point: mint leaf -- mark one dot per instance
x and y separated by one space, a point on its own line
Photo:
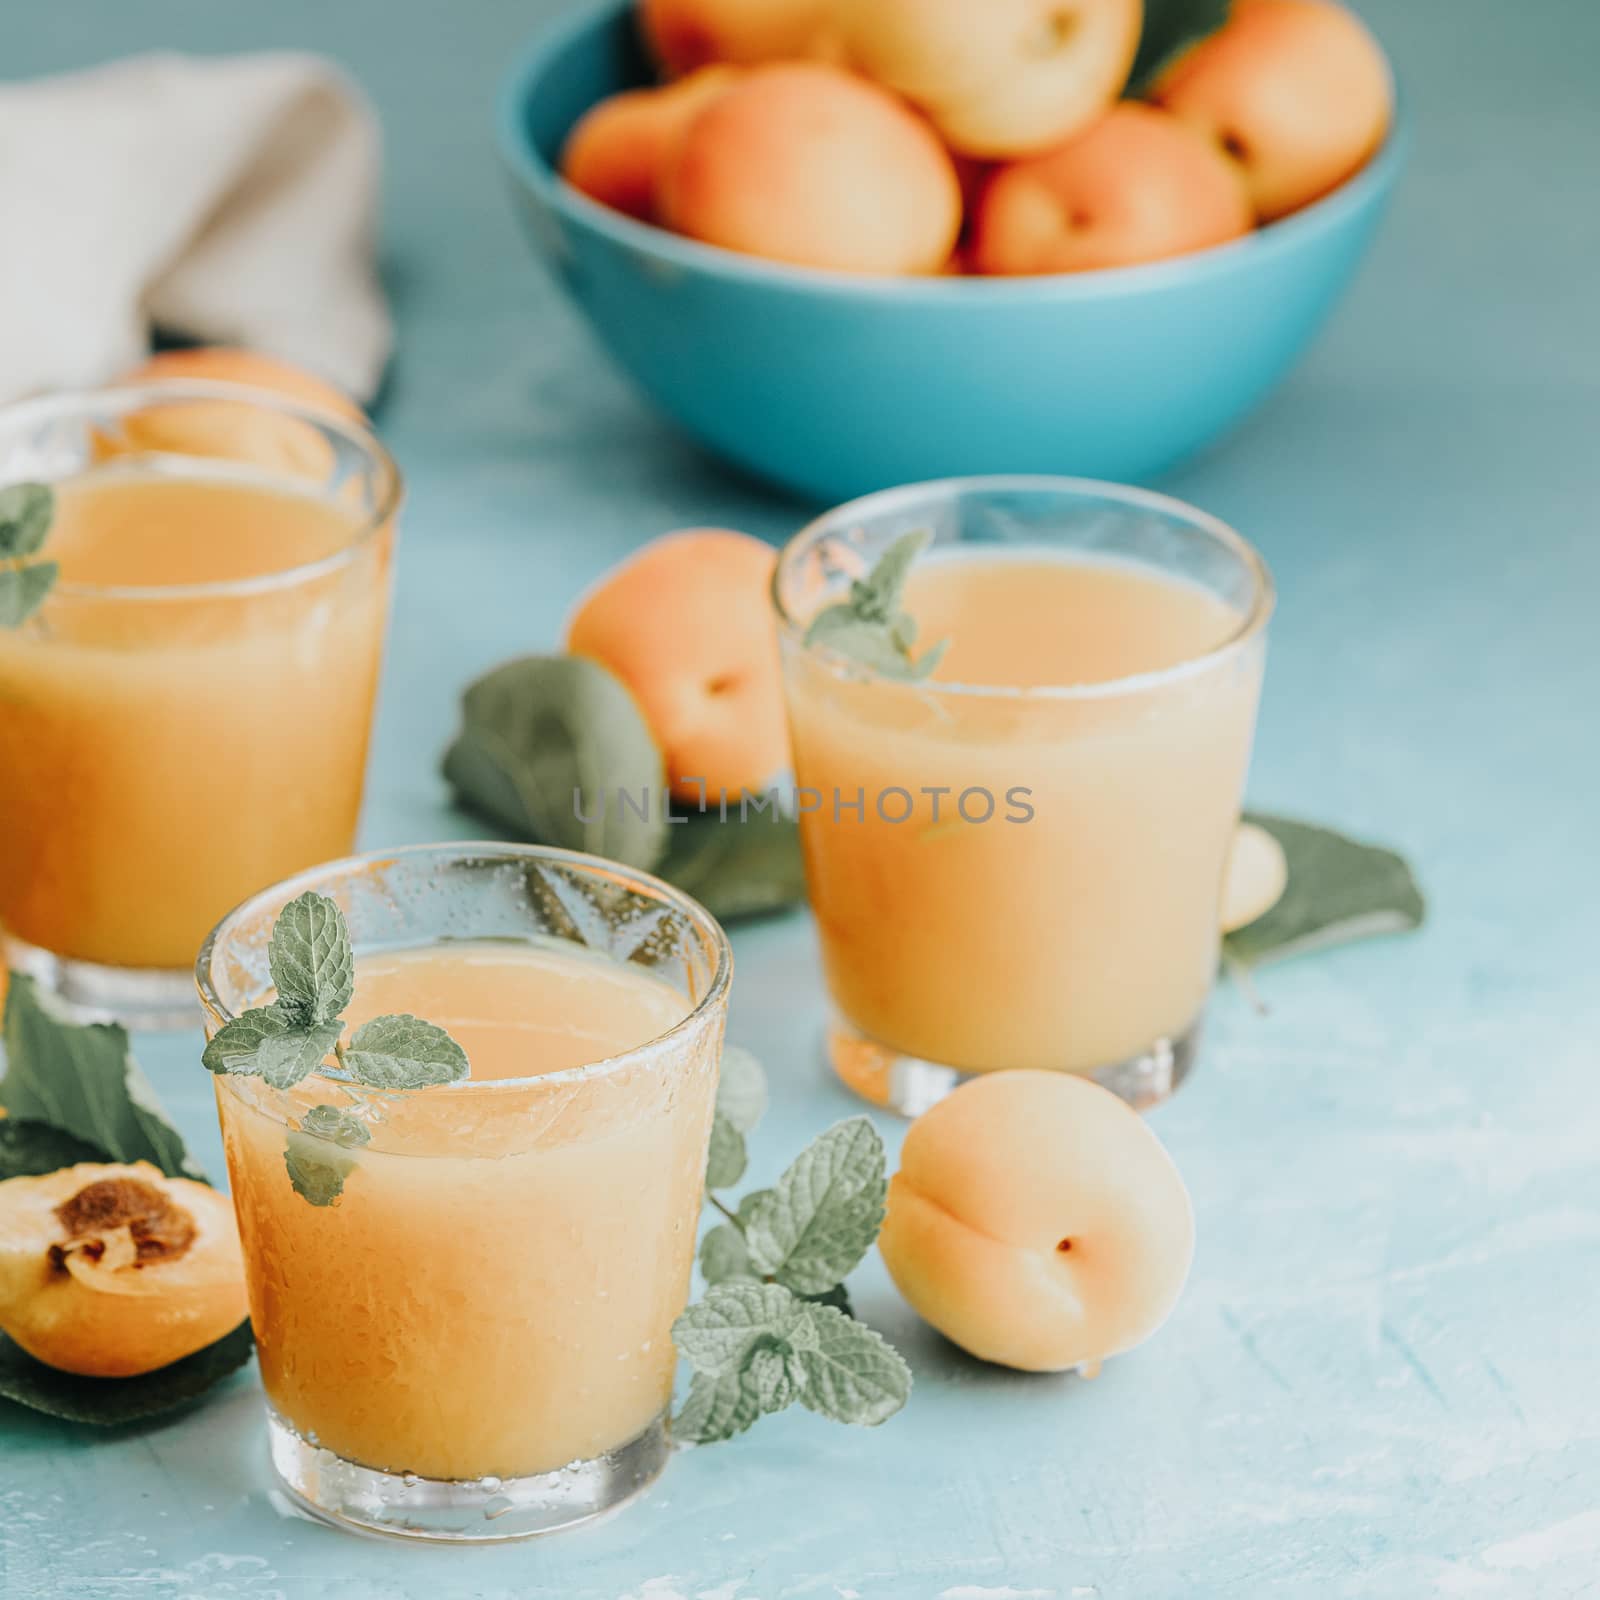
1339 890
270 1043
1170 28
719 1333
30 1149
403 1052
84 1081
870 627
726 1157
741 1088
722 1254
548 748
776 1375
26 512
825 1211
744 867
313 967
337 1125
838 1297
23 591
716 1408
852 1374
314 1156
113 1402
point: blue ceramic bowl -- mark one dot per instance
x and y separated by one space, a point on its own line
834 384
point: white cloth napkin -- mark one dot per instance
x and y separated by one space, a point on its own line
231 200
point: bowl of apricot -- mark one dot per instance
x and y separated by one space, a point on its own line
851 243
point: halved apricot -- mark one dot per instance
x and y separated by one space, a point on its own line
111 1270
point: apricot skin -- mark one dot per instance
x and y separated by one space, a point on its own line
685 624
805 163
1297 91
685 34
1037 1222
616 152
999 79
1257 875
1137 186
77 1296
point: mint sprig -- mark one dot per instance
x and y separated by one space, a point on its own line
26 512
774 1327
871 627
313 971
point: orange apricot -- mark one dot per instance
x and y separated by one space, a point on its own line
228 432
1037 1222
685 34
616 151
807 163
1298 92
1004 78
110 1271
686 624
1137 186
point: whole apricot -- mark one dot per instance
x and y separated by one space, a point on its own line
1298 92
685 623
229 432
1037 1222
1257 875
110 1271
807 163
1138 185
1005 78
616 151
685 34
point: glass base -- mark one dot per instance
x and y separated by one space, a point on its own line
461 1511
909 1085
140 998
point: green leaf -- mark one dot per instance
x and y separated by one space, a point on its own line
109 1402
84 1081
538 730
26 512
23 591
716 1408
718 1333
852 1374
744 867
723 1256
825 1211
1170 28
726 1157
403 1052
776 1375
870 628
315 1156
30 1149
741 1088
313 967
1339 890
838 1297
271 1044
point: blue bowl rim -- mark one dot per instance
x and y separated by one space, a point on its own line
1329 213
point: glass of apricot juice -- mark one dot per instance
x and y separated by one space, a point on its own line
473 1339
1018 861
185 716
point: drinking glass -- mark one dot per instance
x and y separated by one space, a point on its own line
1061 911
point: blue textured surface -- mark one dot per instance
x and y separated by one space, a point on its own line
1383 1378
835 386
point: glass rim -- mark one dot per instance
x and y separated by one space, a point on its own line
173 390
907 496
287 888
